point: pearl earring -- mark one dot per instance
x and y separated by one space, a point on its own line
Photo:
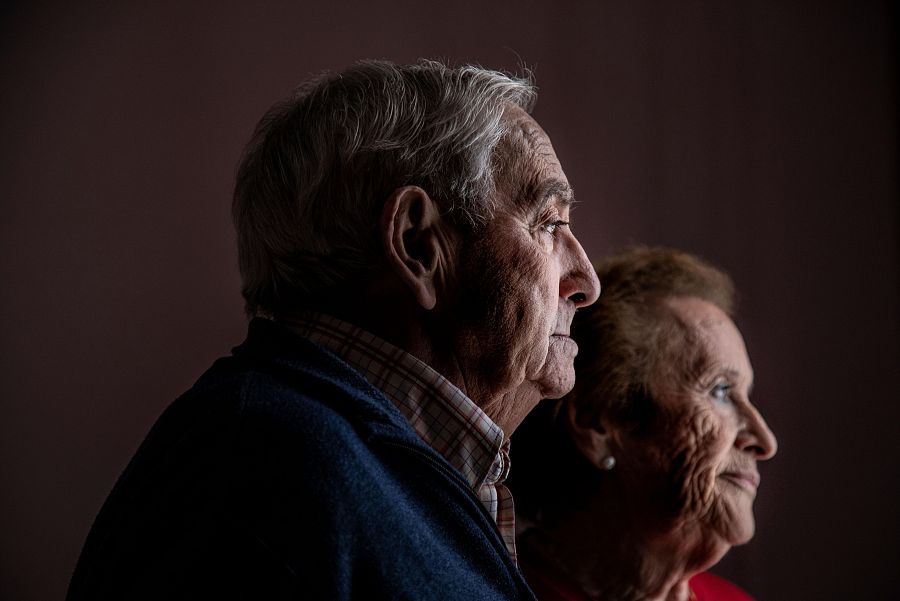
608 462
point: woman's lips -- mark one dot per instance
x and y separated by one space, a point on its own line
746 480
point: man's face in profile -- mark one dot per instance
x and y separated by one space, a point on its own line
522 280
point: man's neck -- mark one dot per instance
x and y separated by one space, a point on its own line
397 319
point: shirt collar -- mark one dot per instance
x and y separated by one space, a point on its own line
440 413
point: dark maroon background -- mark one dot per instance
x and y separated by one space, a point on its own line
762 135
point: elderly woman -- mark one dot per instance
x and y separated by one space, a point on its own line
644 476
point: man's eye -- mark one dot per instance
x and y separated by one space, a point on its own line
721 393
550 228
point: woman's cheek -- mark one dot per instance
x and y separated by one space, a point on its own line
694 467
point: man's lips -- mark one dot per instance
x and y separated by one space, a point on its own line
563 338
564 342
748 480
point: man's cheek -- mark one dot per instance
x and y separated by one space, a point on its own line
531 310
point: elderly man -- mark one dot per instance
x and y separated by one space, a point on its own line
406 256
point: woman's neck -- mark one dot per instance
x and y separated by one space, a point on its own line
623 557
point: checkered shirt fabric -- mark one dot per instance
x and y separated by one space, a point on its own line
446 419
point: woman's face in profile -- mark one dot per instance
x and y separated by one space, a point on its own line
697 459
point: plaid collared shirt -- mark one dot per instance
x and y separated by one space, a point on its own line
446 419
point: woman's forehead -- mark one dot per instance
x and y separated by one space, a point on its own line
713 335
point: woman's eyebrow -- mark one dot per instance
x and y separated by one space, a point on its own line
735 376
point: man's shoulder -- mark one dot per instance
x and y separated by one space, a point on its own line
285 464
283 382
264 415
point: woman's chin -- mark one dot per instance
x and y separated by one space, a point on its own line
738 530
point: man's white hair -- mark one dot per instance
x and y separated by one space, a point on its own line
315 175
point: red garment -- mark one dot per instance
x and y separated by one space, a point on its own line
709 587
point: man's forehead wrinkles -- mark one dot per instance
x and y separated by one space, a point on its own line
531 167
538 194
537 143
531 134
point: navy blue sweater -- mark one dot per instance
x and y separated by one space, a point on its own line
283 474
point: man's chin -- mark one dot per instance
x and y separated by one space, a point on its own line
557 382
557 376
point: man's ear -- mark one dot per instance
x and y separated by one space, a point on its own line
590 436
413 242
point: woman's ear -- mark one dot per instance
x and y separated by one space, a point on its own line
410 232
590 436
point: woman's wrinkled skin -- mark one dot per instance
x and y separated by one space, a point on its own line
707 437
681 494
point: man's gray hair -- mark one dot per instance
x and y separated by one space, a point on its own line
314 177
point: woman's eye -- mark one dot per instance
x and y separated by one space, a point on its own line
550 228
721 393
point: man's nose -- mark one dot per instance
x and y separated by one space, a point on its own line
579 282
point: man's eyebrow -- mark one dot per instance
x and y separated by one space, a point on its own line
550 190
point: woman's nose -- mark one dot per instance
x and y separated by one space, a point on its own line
756 437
